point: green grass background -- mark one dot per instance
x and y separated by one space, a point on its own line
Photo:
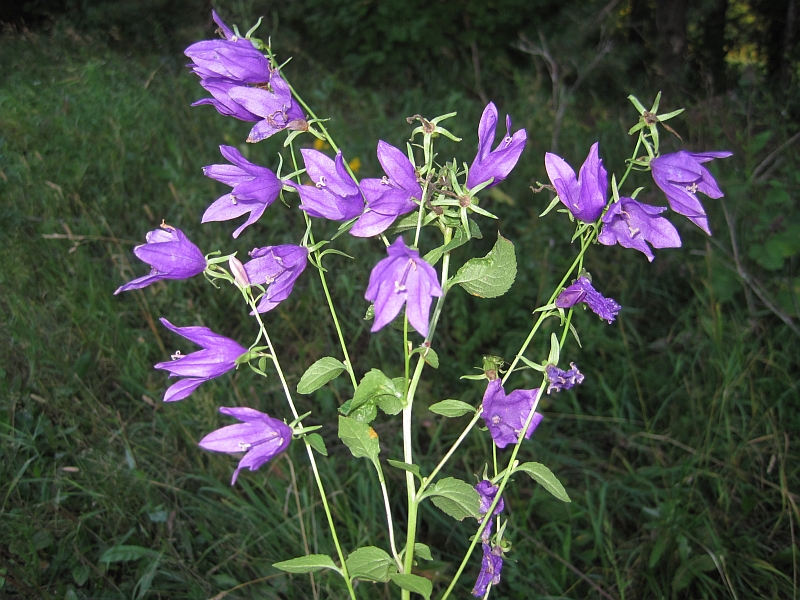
679 451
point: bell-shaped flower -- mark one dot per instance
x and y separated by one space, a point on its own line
217 357
680 176
334 195
583 291
277 268
559 379
505 416
170 255
584 196
487 493
402 278
632 224
254 189
259 436
390 196
491 565
495 163
274 106
236 60
219 88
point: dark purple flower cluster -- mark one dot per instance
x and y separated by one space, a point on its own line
487 492
491 565
559 379
583 291
505 416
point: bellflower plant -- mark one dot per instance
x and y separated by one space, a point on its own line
244 79
258 435
254 189
170 255
218 356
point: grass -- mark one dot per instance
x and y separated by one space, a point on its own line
679 451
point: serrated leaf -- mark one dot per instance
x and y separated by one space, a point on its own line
545 477
398 464
492 275
320 373
360 438
413 583
459 239
317 443
451 408
455 497
124 553
376 389
307 564
370 564
423 551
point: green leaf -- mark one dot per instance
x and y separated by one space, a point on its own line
451 408
554 350
545 477
398 464
317 443
492 275
370 564
423 551
658 550
320 373
428 355
413 583
376 389
360 438
126 554
80 574
307 564
455 497
459 239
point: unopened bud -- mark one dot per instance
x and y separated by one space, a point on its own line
239 274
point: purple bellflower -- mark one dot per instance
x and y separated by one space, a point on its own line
680 176
334 195
583 291
219 88
389 197
217 357
491 565
275 107
254 189
259 436
236 60
505 416
170 255
632 224
559 379
402 278
277 268
487 492
499 162
226 31
585 197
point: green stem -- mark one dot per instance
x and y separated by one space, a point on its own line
429 479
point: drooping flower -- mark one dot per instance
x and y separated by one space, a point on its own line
217 357
402 278
275 106
334 195
495 163
254 189
277 268
170 255
491 565
487 492
505 416
235 59
559 379
390 196
259 436
583 291
680 176
219 88
585 197
632 224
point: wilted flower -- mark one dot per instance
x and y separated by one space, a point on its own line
585 196
277 268
583 291
491 565
275 106
334 195
632 224
680 176
559 379
505 416
260 436
389 197
402 278
217 357
219 88
235 60
487 492
254 189
170 255
495 163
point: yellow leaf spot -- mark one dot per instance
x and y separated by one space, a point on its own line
372 434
